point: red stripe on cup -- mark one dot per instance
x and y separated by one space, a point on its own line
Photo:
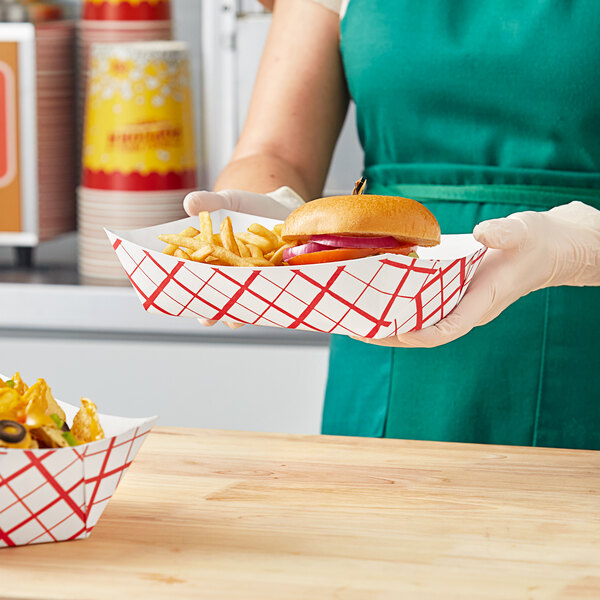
101 180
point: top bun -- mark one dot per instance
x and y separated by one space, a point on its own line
364 215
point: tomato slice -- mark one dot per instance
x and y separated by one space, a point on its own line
401 250
325 256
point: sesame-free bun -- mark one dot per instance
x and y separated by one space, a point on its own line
364 215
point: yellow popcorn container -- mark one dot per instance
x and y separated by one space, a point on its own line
139 130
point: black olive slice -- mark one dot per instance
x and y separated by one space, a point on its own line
12 432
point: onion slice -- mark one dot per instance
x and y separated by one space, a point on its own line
303 249
343 241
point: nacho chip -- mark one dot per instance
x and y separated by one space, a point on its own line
10 402
86 425
48 436
36 397
19 384
53 407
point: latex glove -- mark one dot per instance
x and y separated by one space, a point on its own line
274 205
527 251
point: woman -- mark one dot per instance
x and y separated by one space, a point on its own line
480 111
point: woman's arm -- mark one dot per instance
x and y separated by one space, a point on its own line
298 105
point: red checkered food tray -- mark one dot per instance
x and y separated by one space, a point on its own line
50 495
374 297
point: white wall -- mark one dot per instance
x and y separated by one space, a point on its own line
187 26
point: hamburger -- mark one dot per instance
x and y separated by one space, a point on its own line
356 226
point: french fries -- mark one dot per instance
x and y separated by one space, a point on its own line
244 250
257 240
262 231
179 253
257 247
228 257
227 237
172 248
255 251
175 239
206 229
203 252
277 256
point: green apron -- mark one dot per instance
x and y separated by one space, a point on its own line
478 109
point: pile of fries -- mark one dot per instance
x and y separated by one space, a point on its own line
30 417
257 247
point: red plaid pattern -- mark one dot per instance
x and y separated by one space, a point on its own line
374 297
59 494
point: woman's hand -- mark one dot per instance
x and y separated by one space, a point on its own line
527 251
275 205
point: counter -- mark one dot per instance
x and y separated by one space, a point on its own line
216 514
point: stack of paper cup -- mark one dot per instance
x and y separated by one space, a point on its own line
127 10
117 21
55 79
138 150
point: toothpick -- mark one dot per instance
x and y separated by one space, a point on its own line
359 187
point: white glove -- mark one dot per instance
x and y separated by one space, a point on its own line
528 251
274 205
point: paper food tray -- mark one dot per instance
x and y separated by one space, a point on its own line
373 297
56 494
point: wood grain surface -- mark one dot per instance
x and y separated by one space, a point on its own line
213 514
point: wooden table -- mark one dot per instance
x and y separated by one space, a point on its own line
212 514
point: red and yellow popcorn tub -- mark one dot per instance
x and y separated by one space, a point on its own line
127 10
373 297
139 131
57 494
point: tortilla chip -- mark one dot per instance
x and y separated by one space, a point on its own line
20 385
86 425
10 401
49 436
53 407
36 398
